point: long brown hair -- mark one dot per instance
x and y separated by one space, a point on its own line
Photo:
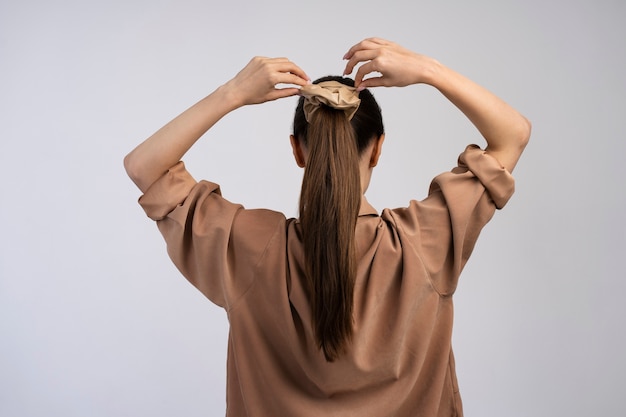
329 205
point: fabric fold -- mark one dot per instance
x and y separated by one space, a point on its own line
495 178
168 192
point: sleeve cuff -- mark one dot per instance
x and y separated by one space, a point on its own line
168 192
494 177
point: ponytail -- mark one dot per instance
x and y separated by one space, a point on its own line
329 206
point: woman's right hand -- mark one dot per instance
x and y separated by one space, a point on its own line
397 65
256 82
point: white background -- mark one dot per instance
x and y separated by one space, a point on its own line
94 319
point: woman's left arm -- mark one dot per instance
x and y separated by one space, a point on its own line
504 128
254 84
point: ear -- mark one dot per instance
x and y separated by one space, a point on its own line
377 150
297 151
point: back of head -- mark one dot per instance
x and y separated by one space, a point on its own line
367 122
329 205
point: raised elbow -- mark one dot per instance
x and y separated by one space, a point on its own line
525 130
129 165
132 168
515 139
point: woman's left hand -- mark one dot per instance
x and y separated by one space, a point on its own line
397 66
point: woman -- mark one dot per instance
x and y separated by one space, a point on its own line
342 311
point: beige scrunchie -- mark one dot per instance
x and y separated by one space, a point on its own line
331 93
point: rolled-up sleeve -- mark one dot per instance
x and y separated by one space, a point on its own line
196 223
445 226
168 192
497 181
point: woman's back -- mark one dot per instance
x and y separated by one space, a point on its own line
252 263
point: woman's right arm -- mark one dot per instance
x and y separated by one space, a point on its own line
505 130
254 84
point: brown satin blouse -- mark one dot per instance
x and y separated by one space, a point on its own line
250 262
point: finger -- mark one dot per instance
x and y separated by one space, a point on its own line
357 47
293 69
365 44
357 57
371 82
289 74
279 93
289 78
363 70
